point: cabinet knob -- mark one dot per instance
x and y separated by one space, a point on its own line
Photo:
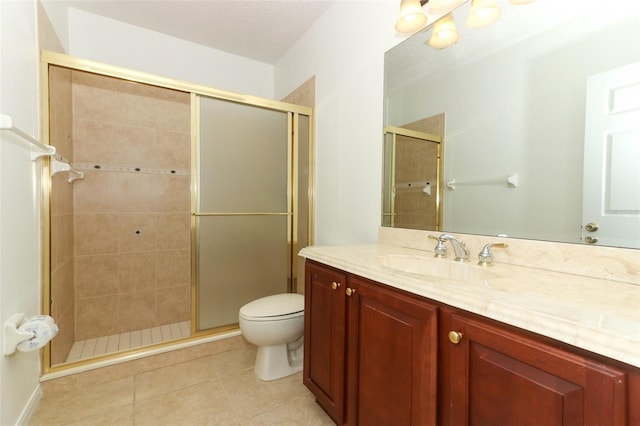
335 285
350 291
455 337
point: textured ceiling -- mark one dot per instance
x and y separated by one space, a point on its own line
263 30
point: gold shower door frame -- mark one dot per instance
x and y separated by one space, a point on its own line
295 112
291 212
389 172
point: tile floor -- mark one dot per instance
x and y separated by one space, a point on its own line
216 389
89 348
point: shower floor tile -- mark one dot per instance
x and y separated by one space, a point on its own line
90 348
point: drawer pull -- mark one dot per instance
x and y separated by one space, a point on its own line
335 285
350 291
455 337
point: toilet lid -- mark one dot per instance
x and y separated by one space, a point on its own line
274 306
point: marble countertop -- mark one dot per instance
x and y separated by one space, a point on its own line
602 316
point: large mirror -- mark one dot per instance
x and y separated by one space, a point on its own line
538 121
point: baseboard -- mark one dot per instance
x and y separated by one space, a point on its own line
30 408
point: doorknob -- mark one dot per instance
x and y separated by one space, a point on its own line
591 227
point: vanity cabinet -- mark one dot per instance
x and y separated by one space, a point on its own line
375 355
325 338
392 356
370 350
492 375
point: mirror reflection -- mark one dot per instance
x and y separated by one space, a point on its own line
539 124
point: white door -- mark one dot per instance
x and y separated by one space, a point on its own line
611 194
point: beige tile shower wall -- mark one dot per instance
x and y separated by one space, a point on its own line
304 95
132 229
416 162
62 284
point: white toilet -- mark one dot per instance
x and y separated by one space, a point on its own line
275 324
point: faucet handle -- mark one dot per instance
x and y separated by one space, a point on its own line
485 257
440 249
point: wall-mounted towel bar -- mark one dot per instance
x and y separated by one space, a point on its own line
6 123
60 164
511 181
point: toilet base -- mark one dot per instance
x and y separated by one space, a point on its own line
278 361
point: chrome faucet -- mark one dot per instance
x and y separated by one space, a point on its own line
460 250
485 257
440 249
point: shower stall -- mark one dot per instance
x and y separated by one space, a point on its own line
193 202
412 177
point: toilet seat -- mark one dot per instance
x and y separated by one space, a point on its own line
274 308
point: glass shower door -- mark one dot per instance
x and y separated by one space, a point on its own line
243 208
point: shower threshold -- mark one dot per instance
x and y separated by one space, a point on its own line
90 348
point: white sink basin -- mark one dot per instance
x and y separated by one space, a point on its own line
434 267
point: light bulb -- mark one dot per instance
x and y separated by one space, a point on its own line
482 13
411 17
444 33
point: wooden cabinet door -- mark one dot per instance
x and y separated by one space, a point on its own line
497 377
324 344
391 357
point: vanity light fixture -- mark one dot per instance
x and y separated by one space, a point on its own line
411 17
444 33
482 13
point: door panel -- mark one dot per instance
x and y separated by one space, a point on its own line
392 357
244 158
497 377
536 397
240 259
244 209
611 195
324 342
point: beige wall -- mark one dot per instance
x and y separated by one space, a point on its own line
62 283
132 228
